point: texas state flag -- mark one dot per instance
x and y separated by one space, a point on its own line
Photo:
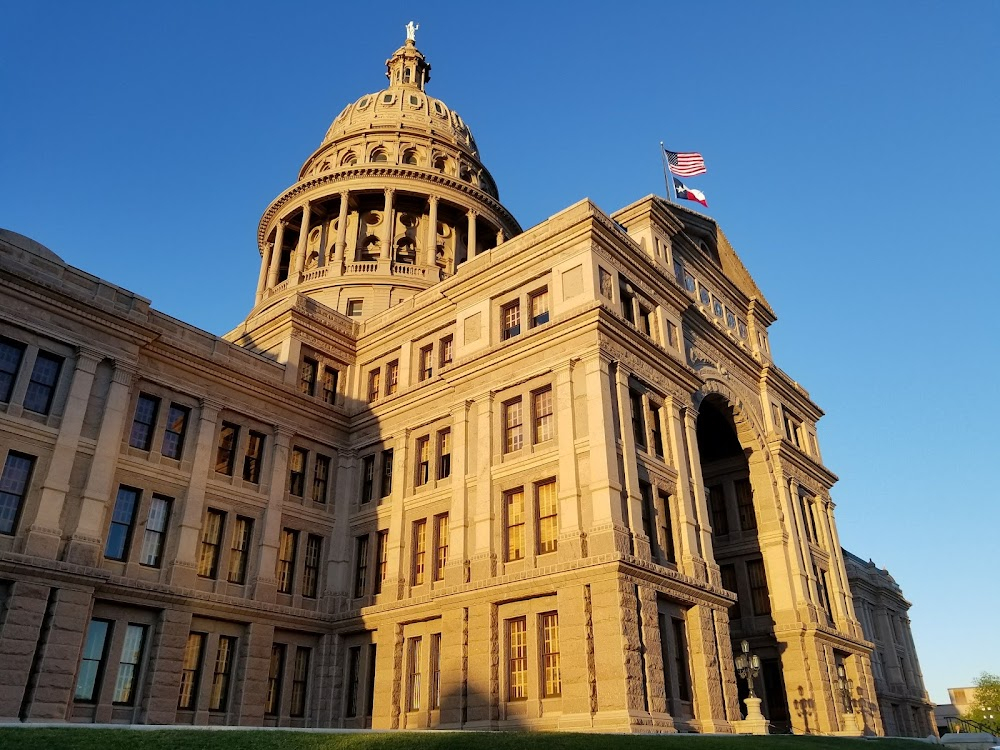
689 194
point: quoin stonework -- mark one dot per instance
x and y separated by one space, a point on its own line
447 473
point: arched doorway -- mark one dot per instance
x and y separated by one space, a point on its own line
735 519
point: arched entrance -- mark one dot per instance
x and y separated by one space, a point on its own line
735 518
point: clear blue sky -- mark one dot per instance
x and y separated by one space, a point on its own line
853 163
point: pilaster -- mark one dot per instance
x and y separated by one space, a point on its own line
264 584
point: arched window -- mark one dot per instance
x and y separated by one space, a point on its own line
379 156
441 164
406 75
349 159
465 173
410 156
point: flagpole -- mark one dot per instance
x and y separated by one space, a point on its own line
666 178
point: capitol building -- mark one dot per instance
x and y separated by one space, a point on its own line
447 473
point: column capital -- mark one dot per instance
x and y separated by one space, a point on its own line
432 200
210 402
473 213
283 432
125 372
86 355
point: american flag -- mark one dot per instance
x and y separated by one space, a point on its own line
685 163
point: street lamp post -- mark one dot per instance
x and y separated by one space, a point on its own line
846 687
748 665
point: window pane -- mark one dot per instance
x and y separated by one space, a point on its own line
41 387
91 663
156 526
128 667
120 532
11 354
13 485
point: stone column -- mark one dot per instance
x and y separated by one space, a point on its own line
640 542
85 543
279 239
341 246
703 647
605 486
432 224
700 499
471 253
250 675
339 553
800 570
58 653
689 553
166 660
387 225
398 572
45 533
264 584
837 576
265 265
570 531
183 568
25 611
458 519
300 249
483 556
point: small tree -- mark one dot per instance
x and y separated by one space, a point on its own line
985 708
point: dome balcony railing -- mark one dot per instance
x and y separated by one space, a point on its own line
365 266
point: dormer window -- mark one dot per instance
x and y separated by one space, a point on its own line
388 98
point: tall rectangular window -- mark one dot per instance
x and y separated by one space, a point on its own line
297 471
667 528
11 354
440 545
353 680
434 701
551 672
370 682
307 376
122 519
156 531
330 378
510 321
240 552
413 674
321 478
717 507
423 460
517 659
222 673
547 504
638 421
646 320
647 511
367 478
426 362
360 565
446 347
191 671
128 665
254 457
141 435
225 455
514 507
211 540
539 306
287 546
382 556
92 662
42 386
374 383
387 472
729 583
444 454
300 681
13 486
744 504
823 591
173 433
275 671
392 377
681 658
654 424
541 409
355 308
759 599
311 566
513 436
419 550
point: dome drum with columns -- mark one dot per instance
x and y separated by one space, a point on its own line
394 200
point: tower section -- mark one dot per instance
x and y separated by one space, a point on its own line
394 200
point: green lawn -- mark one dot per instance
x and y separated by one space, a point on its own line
17 738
